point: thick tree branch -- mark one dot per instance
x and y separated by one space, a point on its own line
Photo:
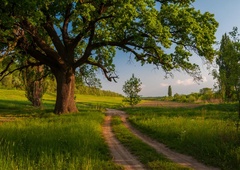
88 49
54 36
41 57
6 68
107 73
64 29
51 53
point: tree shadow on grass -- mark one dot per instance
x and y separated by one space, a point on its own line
16 108
22 108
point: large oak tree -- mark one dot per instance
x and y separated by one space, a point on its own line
65 35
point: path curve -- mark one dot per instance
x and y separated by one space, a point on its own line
181 159
119 153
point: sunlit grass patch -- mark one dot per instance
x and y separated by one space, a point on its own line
59 142
36 138
208 134
99 102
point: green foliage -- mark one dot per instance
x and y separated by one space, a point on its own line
7 82
131 88
208 133
137 23
34 85
11 81
228 61
206 94
87 76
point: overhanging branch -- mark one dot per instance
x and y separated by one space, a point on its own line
7 67
107 73
53 35
5 72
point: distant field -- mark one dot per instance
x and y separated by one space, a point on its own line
15 102
35 138
209 132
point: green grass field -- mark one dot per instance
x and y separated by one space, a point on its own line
38 139
35 138
209 133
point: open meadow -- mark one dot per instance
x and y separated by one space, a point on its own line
35 138
32 138
209 133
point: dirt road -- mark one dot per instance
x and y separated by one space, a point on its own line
119 153
123 157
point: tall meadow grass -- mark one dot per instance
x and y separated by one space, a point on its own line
208 133
65 142
38 139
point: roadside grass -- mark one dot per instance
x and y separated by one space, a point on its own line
146 154
35 138
208 133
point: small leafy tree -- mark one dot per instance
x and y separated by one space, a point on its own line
33 78
131 88
206 93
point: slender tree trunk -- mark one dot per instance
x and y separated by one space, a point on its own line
65 102
37 94
38 87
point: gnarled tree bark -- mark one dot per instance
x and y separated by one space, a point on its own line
65 102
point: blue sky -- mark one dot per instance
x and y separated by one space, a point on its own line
227 13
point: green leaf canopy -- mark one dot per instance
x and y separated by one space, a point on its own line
70 33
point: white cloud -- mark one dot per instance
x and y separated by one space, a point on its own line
186 82
164 84
204 79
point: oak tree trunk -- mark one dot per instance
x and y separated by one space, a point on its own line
65 102
37 93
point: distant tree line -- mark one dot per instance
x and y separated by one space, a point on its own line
204 95
86 90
